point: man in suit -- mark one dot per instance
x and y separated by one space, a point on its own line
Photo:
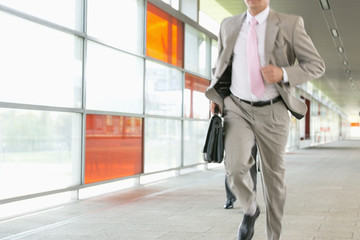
256 108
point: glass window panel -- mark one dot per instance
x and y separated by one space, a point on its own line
164 36
172 3
209 23
162 144
214 52
113 147
43 67
197 51
114 80
109 20
194 136
163 90
190 9
39 151
196 104
66 13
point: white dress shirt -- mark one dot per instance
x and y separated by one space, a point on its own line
240 84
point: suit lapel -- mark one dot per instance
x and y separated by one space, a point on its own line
272 28
234 29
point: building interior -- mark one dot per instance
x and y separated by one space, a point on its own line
107 97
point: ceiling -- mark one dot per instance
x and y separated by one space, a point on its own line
341 83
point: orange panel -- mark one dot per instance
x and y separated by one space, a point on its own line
113 147
194 83
355 124
164 36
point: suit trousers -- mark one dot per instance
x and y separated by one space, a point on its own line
269 126
253 173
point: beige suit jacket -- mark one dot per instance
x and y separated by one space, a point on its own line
287 45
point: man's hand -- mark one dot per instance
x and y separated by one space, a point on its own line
272 74
214 108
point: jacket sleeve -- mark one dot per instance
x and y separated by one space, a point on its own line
220 48
310 64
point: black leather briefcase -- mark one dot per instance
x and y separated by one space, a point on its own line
213 150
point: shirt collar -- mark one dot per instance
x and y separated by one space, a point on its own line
261 17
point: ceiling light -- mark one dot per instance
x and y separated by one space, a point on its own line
348 71
334 32
325 4
340 49
345 62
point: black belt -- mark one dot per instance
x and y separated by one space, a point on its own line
262 103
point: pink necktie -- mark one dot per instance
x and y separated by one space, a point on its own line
253 61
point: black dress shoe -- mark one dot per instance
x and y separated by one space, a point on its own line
246 230
229 203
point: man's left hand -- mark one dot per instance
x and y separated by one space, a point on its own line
272 74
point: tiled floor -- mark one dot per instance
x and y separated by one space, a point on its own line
323 203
